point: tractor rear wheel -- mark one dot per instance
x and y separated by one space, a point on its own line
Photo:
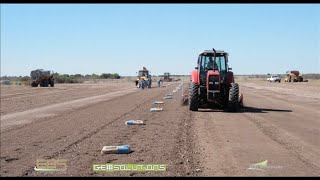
233 103
51 82
193 97
46 83
42 84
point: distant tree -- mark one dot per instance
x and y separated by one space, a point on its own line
25 78
115 76
78 75
4 77
105 75
95 76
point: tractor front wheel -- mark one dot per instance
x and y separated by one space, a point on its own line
51 82
34 84
193 97
233 102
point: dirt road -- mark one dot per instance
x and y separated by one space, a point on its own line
276 125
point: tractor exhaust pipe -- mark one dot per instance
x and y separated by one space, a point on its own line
214 59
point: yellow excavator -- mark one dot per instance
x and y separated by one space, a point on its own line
293 76
144 76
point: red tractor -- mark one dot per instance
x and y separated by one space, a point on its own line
212 83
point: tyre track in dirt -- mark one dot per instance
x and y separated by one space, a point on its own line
48 128
163 139
28 116
43 92
206 143
60 153
304 89
30 98
58 142
299 132
256 134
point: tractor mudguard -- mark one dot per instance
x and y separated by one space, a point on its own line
195 76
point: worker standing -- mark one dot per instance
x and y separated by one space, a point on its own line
160 81
142 83
149 81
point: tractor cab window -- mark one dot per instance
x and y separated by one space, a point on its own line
221 63
143 73
207 63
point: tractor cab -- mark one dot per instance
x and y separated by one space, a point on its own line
143 73
212 82
209 61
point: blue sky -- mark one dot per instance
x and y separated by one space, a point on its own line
122 38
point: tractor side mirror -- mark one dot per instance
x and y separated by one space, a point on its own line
229 68
196 67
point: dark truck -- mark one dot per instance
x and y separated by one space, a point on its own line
42 77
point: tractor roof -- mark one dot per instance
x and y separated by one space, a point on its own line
211 52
